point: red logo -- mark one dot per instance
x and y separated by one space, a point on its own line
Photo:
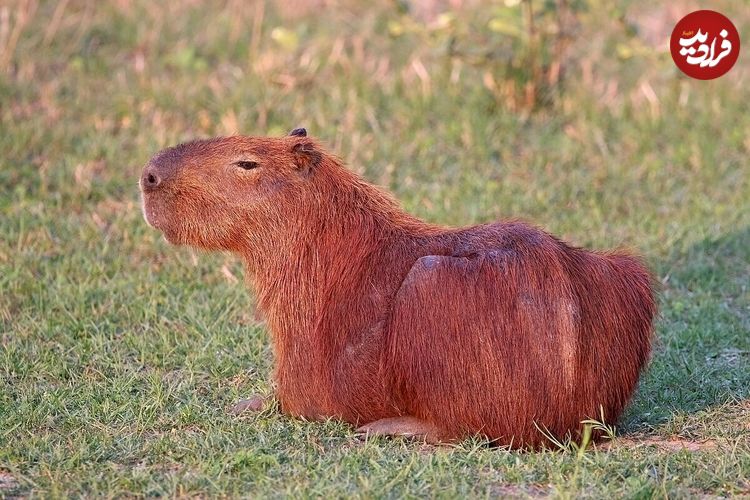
705 44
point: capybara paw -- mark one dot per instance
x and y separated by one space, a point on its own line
404 427
254 403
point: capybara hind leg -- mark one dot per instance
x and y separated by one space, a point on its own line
405 427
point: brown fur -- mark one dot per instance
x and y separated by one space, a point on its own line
497 329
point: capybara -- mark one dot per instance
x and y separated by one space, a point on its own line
399 326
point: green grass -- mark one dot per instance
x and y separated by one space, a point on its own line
120 355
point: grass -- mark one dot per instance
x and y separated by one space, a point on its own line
120 355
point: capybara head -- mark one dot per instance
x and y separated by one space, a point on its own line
212 193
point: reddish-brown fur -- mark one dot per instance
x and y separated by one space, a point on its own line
498 329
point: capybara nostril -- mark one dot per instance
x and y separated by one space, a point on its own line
150 179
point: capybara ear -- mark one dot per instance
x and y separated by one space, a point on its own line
298 132
306 156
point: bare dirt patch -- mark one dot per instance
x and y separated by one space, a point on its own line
667 444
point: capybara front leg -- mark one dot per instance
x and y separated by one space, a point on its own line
405 427
254 403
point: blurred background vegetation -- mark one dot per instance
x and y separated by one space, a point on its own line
527 107
120 355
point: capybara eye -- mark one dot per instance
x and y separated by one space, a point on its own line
247 165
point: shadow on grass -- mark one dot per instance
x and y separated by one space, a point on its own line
701 357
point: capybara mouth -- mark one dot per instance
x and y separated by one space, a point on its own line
153 218
148 213
154 215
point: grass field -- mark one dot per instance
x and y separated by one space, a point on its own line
120 355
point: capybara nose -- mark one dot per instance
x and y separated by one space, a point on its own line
150 179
